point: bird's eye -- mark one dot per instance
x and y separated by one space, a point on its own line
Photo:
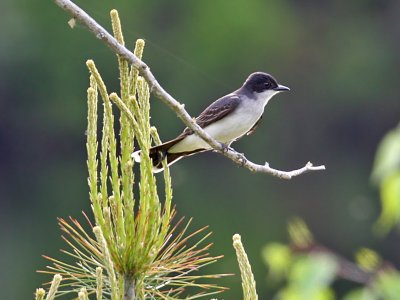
267 84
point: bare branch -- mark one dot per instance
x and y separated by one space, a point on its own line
82 17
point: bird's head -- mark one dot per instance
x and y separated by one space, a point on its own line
263 84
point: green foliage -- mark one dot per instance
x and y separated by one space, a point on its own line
386 174
248 282
307 276
310 277
339 57
113 198
368 259
136 252
279 258
360 294
39 294
308 270
386 286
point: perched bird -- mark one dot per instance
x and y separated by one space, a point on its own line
226 120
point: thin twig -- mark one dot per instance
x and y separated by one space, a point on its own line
173 104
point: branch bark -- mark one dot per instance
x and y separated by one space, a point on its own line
129 288
144 70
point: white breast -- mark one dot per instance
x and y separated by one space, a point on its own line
231 127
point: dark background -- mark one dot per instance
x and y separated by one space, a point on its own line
340 59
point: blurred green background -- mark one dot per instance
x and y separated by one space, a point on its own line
340 59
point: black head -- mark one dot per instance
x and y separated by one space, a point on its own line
260 82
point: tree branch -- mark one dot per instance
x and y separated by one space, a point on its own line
129 288
173 104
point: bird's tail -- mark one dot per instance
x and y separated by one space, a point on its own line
159 153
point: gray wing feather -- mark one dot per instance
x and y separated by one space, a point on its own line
216 111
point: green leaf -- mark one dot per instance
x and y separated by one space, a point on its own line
388 285
311 276
360 294
387 159
390 199
278 258
292 293
386 173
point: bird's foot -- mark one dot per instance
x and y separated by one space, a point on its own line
241 159
226 148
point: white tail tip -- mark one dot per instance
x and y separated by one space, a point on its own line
136 156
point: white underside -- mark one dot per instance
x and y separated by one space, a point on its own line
136 156
229 128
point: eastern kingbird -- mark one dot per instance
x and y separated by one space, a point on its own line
226 120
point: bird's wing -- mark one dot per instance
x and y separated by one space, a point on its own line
216 111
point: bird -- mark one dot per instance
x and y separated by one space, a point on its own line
226 120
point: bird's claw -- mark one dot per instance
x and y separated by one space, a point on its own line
226 148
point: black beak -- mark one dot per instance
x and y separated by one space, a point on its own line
281 88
